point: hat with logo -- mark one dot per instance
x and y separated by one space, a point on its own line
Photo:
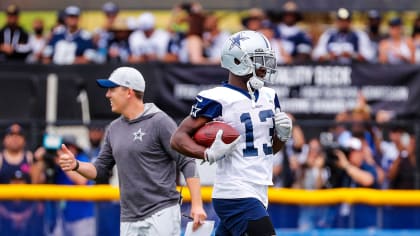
126 77
12 9
72 11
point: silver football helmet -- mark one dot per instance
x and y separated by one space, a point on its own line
246 51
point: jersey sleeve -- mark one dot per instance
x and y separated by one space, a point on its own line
206 107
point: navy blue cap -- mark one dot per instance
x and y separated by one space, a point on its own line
396 21
374 14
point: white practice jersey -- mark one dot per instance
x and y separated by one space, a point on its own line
247 172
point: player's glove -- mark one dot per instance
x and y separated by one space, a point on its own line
283 125
218 150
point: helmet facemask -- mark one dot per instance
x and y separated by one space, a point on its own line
260 60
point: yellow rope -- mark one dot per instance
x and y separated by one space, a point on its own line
276 195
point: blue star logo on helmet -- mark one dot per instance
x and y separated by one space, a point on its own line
236 41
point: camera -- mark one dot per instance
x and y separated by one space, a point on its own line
51 143
330 147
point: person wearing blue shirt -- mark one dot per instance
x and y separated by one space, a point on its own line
77 216
343 44
298 42
358 173
70 45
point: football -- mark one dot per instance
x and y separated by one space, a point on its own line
207 133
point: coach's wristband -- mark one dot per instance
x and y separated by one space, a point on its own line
77 166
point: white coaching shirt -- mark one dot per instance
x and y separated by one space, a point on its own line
247 172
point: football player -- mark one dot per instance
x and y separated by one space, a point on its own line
244 167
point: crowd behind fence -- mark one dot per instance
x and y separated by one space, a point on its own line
193 35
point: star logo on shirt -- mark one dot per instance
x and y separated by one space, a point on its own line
236 41
138 135
194 110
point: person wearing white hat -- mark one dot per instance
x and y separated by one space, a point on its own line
148 43
138 144
360 172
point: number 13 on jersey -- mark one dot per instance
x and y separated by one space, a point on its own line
258 133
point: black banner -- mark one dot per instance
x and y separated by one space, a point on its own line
310 91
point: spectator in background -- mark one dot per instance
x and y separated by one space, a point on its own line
14 157
396 49
37 41
343 44
104 35
213 38
77 216
314 176
253 19
340 131
15 215
297 42
362 129
416 39
17 166
178 26
96 135
374 31
148 43
389 152
60 24
71 45
282 55
118 45
13 38
189 47
357 173
192 47
402 171
106 212
287 162
402 175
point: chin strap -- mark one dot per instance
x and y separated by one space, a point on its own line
254 84
251 93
